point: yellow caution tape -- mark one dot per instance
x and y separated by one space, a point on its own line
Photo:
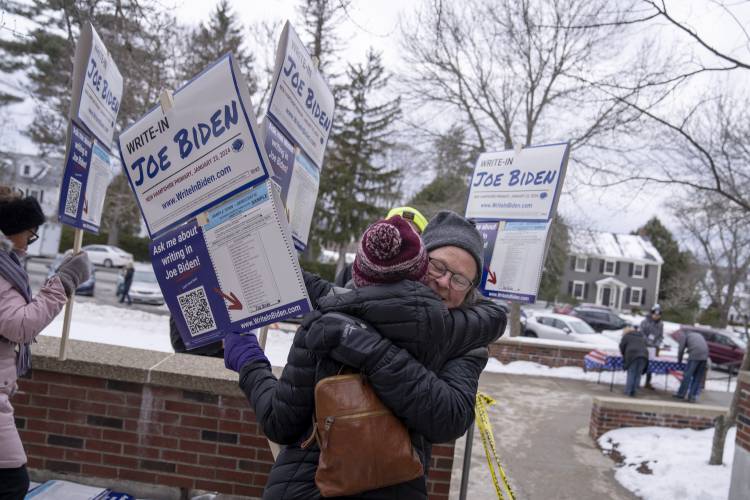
488 440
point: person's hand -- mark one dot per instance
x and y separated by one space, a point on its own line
323 332
73 271
241 349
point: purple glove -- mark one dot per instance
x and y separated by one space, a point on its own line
241 349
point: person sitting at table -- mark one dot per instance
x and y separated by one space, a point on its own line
634 358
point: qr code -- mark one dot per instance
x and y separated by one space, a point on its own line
196 311
73 199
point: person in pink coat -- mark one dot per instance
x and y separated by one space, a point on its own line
22 318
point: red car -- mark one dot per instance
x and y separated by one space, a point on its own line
722 349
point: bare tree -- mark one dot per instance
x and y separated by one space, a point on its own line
264 37
721 237
692 132
512 72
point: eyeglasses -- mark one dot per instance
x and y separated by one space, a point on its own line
33 237
437 269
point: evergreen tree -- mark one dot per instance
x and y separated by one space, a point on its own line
680 274
140 38
320 21
664 242
357 185
452 163
221 34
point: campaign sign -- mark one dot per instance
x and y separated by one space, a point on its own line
514 267
85 179
301 103
230 269
298 179
280 151
97 87
202 151
523 186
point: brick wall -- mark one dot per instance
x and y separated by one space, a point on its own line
539 351
101 427
743 412
613 413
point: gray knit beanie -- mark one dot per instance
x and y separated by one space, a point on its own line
448 228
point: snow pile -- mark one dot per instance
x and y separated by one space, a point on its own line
669 464
576 373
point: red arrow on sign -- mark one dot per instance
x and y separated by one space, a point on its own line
492 278
234 302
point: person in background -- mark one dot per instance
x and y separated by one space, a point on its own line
696 365
22 318
416 220
634 358
652 328
127 282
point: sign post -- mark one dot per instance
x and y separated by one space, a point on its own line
296 130
512 199
221 246
95 103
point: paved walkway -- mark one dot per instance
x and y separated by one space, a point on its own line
541 428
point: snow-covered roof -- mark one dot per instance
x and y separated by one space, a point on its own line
614 246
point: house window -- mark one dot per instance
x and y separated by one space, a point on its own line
26 170
581 264
578 289
609 267
638 270
635 296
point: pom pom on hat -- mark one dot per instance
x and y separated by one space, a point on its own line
390 251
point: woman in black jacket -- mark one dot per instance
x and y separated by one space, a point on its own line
634 358
436 406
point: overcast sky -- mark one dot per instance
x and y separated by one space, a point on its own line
376 24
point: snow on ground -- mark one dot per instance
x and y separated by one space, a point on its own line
660 463
576 373
104 324
115 325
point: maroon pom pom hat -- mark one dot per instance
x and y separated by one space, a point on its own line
389 251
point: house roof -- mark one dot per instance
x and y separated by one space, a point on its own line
614 246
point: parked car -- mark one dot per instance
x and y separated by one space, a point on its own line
85 288
600 318
722 348
144 288
564 327
107 255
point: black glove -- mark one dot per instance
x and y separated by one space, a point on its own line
73 271
324 331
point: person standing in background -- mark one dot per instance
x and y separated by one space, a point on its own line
634 358
127 282
696 365
652 329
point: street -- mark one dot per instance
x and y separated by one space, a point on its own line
104 290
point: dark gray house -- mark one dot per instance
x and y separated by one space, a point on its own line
621 271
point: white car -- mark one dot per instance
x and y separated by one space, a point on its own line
144 288
107 255
563 327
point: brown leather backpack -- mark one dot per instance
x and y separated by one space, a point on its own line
363 446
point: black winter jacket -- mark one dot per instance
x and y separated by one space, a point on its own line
436 406
632 347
